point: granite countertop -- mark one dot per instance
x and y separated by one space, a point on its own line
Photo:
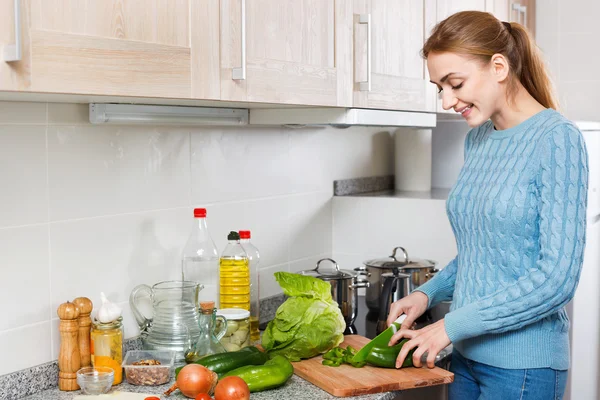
296 388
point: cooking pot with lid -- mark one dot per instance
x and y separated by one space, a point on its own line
343 287
420 271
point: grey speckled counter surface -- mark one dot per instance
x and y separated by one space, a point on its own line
296 388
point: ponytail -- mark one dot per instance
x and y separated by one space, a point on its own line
481 35
529 67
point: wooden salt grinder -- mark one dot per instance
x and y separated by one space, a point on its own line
69 359
85 322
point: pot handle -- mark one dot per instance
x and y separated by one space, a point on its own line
337 267
403 251
362 271
384 300
360 284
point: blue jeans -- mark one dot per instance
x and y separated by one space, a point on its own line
476 381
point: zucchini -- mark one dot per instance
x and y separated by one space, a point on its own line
386 356
272 374
225 362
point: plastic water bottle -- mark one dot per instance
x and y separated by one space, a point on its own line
200 258
254 260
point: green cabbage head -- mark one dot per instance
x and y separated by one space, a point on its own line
308 323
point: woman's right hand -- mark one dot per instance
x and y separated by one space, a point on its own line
413 305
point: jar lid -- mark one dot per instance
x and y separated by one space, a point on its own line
233 313
336 273
400 262
117 323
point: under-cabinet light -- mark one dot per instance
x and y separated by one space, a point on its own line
175 115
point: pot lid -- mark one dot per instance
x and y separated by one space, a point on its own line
400 261
328 274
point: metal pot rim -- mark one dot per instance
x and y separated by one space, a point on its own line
394 261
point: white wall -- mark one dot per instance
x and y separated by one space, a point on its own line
89 208
567 31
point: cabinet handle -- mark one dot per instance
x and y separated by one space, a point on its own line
12 52
240 73
366 19
521 10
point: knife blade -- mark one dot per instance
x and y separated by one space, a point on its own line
380 340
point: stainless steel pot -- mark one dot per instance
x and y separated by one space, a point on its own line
421 270
343 287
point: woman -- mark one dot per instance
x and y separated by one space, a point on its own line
518 214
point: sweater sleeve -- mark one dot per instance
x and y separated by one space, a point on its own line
441 286
562 184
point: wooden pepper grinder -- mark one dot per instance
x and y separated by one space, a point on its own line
85 307
69 359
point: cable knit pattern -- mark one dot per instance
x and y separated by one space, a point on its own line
518 212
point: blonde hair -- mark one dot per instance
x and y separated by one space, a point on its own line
481 35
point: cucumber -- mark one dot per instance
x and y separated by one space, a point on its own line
225 362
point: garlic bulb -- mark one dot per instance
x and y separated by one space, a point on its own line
108 311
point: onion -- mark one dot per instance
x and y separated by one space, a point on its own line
232 388
194 379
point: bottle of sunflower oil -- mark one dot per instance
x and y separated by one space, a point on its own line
234 275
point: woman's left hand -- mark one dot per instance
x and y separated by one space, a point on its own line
431 339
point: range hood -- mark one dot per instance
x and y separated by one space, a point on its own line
340 117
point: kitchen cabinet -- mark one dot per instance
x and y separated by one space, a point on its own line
291 51
523 12
389 72
106 47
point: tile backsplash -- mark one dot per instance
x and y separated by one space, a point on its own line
89 208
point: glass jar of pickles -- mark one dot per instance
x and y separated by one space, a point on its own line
237 335
106 346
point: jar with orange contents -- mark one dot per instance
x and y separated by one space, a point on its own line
106 346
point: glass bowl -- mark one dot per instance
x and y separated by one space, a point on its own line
95 380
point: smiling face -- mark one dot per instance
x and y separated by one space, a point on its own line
469 86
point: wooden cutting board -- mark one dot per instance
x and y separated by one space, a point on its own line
346 380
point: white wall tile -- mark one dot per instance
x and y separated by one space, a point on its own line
581 100
115 254
231 164
68 113
347 228
25 283
420 226
25 347
23 175
267 219
578 16
16 112
572 48
268 285
310 225
109 170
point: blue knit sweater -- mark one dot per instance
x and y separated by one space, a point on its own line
518 212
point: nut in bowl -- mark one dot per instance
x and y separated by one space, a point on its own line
95 380
148 367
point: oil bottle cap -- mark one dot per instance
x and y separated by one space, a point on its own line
207 305
199 212
233 236
244 234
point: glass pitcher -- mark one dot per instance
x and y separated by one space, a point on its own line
210 333
174 324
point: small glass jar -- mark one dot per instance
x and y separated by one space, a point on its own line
106 346
237 335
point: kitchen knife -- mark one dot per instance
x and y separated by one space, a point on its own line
381 340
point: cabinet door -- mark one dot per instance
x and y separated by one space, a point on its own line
290 51
500 9
395 79
523 12
109 47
